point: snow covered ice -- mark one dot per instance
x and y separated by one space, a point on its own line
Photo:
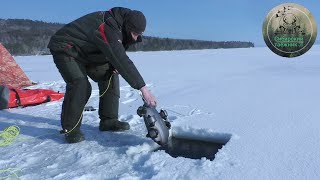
266 105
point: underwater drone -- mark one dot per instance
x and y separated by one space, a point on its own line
156 123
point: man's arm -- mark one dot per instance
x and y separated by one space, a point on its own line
112 47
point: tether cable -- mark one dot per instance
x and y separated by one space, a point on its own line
8 135
109 83
11 172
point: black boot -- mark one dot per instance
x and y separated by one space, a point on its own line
74 136
109 106
113 125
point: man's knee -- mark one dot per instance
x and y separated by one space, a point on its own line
81 85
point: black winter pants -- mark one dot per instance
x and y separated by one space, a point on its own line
78 90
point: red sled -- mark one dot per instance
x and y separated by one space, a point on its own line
13 97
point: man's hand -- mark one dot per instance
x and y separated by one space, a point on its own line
148 97
115 71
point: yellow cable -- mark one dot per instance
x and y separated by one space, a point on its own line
10 171
109 82
107 86
8 135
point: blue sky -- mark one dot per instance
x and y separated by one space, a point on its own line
239 20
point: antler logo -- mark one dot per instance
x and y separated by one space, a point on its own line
289 23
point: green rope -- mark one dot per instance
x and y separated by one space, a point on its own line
11 173
8 135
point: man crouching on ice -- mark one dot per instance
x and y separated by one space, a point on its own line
95 45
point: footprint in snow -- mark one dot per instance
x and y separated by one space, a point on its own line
128 95
132 119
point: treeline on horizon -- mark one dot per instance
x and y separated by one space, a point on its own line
28 37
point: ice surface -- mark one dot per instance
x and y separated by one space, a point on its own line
266 105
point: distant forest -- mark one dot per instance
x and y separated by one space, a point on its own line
28 37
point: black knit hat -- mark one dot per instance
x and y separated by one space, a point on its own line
136 22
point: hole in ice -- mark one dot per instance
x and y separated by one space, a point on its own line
194 148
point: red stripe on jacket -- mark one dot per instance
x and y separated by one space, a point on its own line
68 46
102 33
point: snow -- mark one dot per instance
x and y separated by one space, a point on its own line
266 106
